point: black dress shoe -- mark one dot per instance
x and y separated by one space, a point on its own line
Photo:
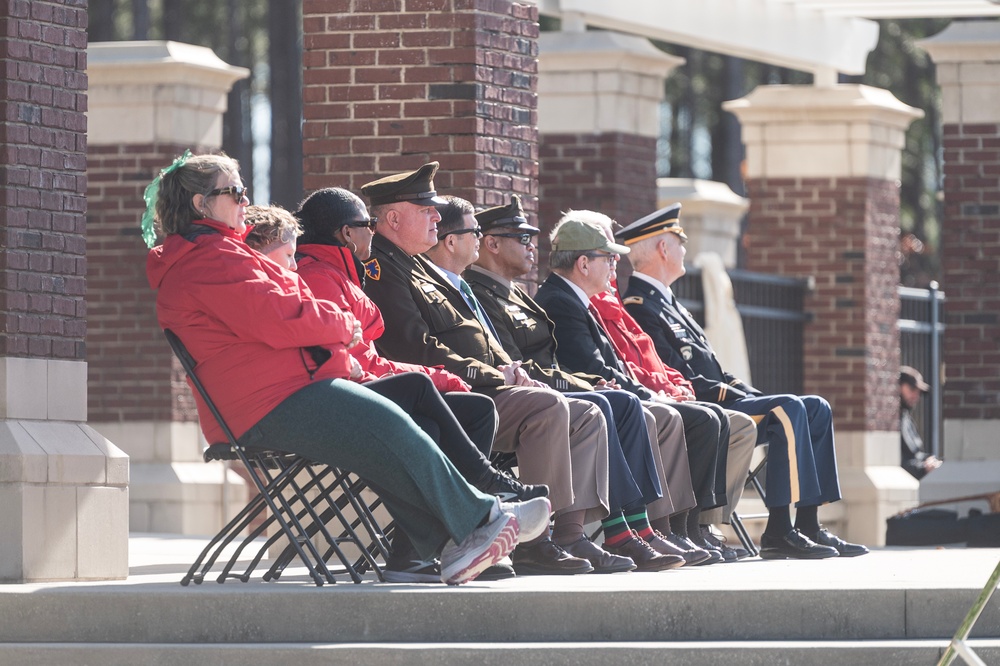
545 558
825 538
729 553
600 559
645 558
694 555
508 489
666 546
499 571
793 546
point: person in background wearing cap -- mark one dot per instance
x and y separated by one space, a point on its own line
633 480
802 463
526 333
915 459
583 262
559 444
637 351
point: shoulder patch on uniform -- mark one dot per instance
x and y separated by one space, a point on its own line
687 353
373 270
633 300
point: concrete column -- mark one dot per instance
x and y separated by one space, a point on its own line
711 214
63 487
823 169
967 55
149 101
599 96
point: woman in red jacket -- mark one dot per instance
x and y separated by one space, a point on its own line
276 361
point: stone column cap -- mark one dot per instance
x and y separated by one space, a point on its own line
698 194
602 51
965 41
122 62
842 131
160 91
809 104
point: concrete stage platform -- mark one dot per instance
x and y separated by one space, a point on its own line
894 606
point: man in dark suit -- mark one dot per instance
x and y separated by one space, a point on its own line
561 442
802 464
582 263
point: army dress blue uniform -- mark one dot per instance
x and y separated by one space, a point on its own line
802 463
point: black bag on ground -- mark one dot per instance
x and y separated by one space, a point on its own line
983 529
925 527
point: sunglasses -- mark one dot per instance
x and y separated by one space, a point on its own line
523 239
236 191
457 232
370 222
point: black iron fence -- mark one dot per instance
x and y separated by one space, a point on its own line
921 326
773 321
773 318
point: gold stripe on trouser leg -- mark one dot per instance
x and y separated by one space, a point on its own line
793 461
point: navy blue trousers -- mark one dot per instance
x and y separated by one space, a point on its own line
801 459
631 471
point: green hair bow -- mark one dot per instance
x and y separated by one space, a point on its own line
149 196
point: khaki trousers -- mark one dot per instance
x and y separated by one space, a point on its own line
742 440
666 429
561 442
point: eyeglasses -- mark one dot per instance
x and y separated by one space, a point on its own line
472 230
602 255
236 191
370 222
523 239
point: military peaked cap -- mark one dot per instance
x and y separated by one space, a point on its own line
416 187
662 221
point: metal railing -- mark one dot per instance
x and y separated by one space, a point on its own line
920 330
772 309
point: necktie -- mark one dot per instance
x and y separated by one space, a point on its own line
473 302
619 358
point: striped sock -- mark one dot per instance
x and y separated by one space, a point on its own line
639 521
616 530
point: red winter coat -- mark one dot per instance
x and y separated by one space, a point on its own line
332 273
246 321
638 350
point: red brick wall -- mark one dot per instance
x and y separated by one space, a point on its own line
611 172
131 374
392 84
970 259
845 233
43 97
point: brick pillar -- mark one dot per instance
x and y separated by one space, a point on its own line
148 102
967 56
823 169
63 487
392 84
599 97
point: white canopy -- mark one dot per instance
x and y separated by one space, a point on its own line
819 36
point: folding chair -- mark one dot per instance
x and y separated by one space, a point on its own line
736 521
299 510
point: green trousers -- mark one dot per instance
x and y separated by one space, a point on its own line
343 424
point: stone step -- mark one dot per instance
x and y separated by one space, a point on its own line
755 653
867 598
